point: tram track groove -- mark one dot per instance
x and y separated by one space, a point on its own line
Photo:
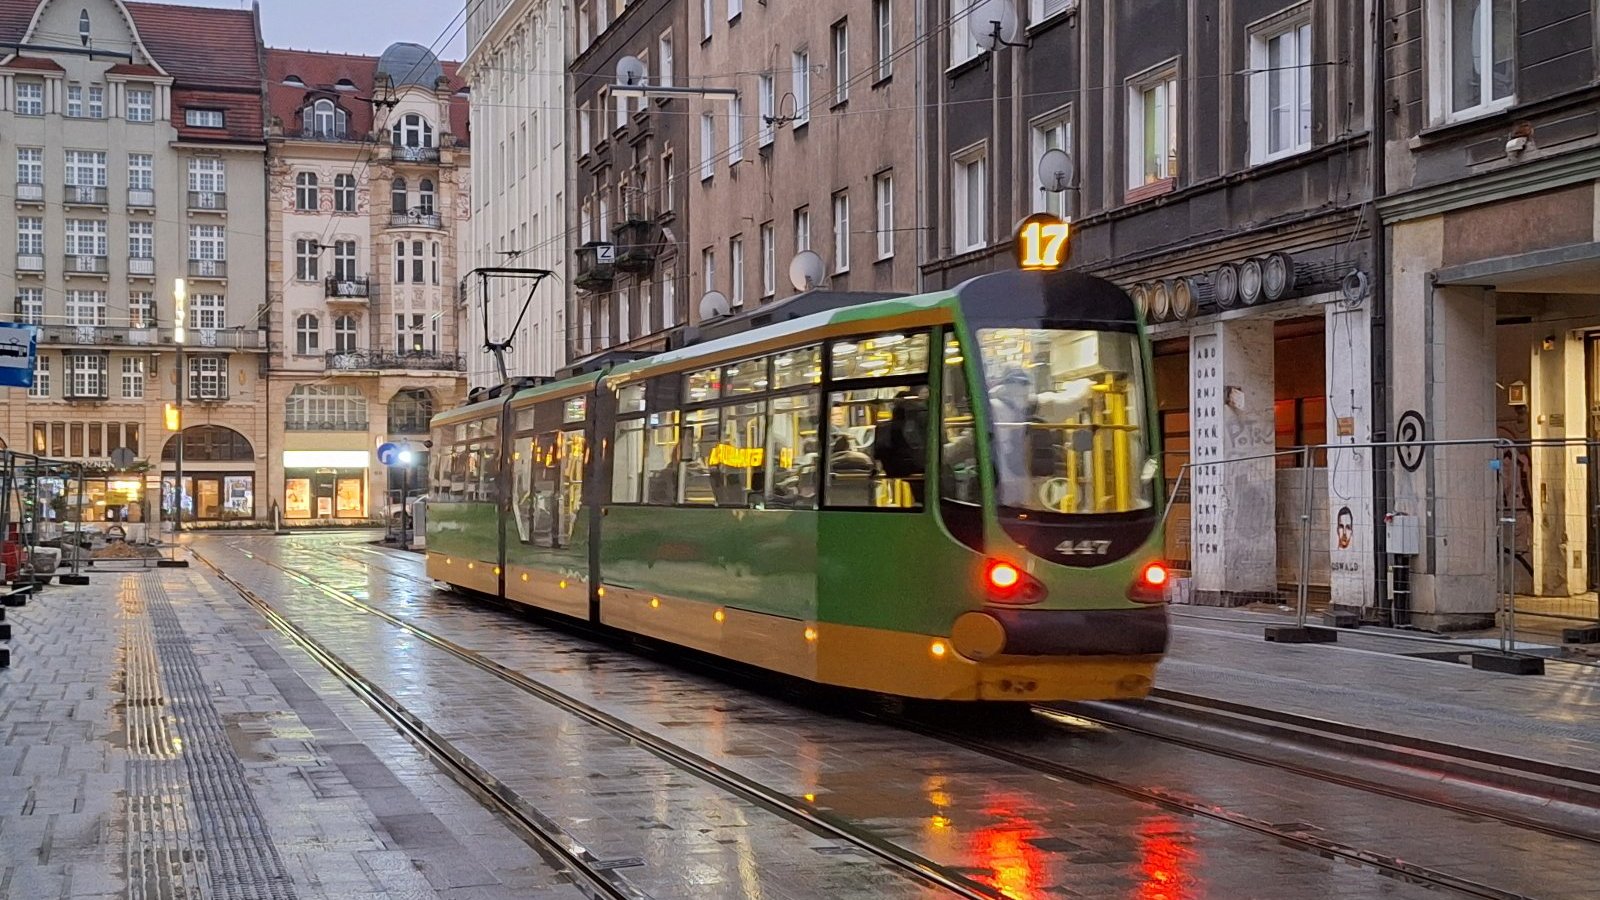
554 844
798 812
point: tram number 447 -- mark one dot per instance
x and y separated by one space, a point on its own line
1083 548
1043 242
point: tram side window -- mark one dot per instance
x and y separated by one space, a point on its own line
958 470
661 459
793 456
574 456
627 462
877 444
738 476
537 504
522 463
702 432
488 470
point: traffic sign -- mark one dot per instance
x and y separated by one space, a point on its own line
19 347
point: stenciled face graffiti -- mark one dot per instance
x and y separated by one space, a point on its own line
1345 527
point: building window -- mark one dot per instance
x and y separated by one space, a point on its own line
208 242
669 184
141 105
327 121
433 257
75 101
410 411
97 101
410 333
708 267
141 240
1473 55
735 9
86 308
1052 133
707 18
1152 133
41 379
399 203
29 98
86 376
883 202
413 131
664 73
30 165
802 229
344 261
766 101
306 194
208 176
735 131
425 197
708 136
132 378
883 38
736 271
141 172
841 61
1280 90
669 297
30 236
86 237
86 168
841 232
416 262
206 312
344 193
800 71
203 118
306 254
208 378
30 306
400 262
969 203
769 260
307 335
141 309
344 334
963 46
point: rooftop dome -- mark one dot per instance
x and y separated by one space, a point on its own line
408 64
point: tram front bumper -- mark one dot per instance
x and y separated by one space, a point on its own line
1061 632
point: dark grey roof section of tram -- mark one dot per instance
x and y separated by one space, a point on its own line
783 311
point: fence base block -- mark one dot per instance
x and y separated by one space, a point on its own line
73 579
172 564
18 599
1341 618
5 658
1301 634
5 631
1588 635
1506 664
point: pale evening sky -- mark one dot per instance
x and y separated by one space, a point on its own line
358 26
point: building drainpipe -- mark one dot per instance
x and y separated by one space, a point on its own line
1378 131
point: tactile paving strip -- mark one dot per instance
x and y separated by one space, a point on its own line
194 828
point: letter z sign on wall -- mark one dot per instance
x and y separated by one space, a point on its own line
18 348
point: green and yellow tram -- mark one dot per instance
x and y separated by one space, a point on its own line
951 496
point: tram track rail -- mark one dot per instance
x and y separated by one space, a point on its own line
1298 838
795 810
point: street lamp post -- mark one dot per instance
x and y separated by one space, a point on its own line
180 319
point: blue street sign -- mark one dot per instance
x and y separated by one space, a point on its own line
19 348
387 453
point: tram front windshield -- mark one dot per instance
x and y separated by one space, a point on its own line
1067 409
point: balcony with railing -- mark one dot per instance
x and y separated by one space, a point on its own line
414 219
208 268
97 335
84 264
414 154
239 338
371 361
353 290
208 201
30 262
299 424
142 265
141 198
28 192
83 195
328 135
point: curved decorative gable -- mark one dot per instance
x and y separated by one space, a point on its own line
58 18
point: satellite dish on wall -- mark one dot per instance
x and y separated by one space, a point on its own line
993 24
714 305
631 71
1055 171
806 271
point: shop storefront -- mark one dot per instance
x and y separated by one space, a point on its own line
325 484
218 476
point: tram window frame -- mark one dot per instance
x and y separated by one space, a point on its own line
902 380
545 425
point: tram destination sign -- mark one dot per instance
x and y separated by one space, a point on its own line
1043 243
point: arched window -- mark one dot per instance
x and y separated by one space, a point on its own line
323 118
307 335
326 407
413 131
344 334
425 197
344 193
305 191
397 197
410 411
209 443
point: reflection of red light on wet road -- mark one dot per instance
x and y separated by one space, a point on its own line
1017 868
1164 862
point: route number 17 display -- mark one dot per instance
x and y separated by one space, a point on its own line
1043 243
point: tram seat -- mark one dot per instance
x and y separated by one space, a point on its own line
851 489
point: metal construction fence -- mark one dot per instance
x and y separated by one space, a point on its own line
1444 534
58 517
